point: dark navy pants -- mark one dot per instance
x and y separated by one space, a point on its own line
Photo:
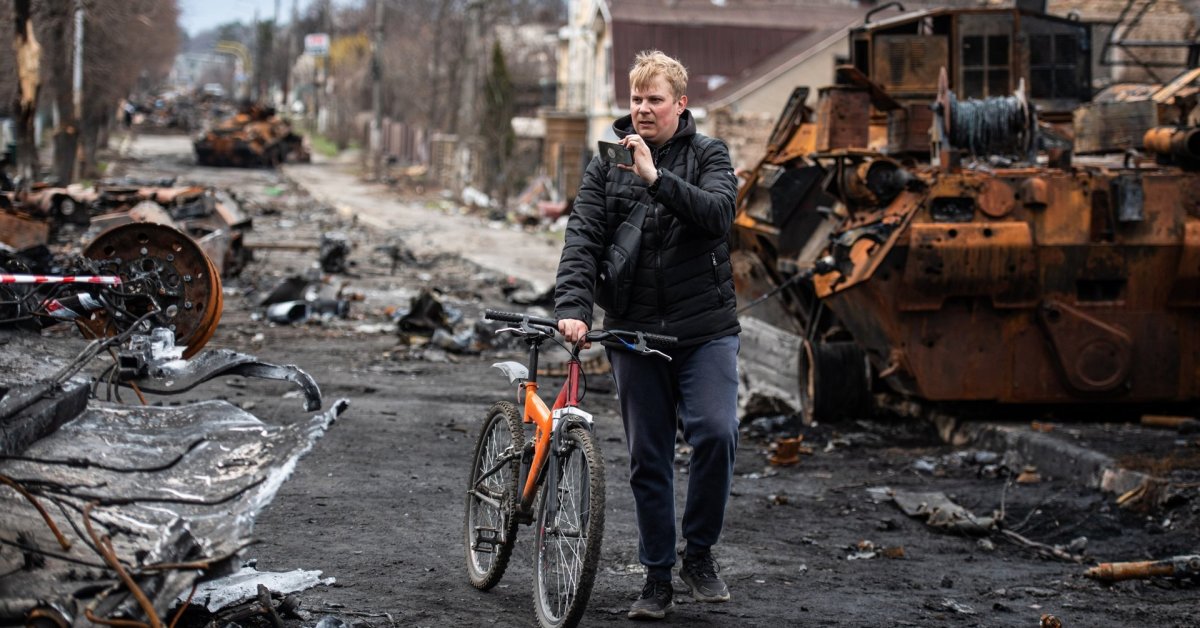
696 392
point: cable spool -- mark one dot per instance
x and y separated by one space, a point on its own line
1004 125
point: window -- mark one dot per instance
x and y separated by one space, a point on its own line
985 66
1053 65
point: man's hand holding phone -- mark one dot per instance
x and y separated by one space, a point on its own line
616 154
631 153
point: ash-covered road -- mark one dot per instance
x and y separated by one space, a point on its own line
378 503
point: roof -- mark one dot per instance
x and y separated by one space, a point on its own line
728 41
784 14
715 40
796 52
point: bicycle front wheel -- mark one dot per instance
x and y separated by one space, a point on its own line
491 521
570 528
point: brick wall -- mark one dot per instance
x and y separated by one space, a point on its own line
1167 20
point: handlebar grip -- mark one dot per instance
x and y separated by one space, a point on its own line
511 317
659 342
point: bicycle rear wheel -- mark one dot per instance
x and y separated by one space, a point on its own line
490 525
570 528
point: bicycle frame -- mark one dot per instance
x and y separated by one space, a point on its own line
548 422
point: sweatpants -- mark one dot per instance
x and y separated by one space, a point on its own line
695 392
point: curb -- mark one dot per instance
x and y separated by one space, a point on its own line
1058 458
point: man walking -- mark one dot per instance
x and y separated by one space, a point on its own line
682 285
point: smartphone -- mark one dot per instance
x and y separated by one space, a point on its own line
615 153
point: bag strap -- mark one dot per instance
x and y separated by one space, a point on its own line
638 216
699 144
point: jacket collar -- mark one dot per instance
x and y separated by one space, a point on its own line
687 127
684 133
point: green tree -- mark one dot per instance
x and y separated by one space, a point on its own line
496 128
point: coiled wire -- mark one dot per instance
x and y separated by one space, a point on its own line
993 126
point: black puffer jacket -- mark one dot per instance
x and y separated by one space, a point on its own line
684 282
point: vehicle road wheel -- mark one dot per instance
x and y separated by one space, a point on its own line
570 528
835 382
70 211
490 527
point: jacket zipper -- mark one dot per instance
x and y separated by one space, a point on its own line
716 277
658 272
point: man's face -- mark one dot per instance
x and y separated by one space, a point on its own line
655 111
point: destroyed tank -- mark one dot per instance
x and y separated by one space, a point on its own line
961 220
253 137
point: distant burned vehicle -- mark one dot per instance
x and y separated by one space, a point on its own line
254 137
1026 243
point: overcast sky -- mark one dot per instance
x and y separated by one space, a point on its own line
198 15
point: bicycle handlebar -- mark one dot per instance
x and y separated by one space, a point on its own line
643 339
651 340
510 317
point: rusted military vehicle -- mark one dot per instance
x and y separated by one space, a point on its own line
253 137
961 219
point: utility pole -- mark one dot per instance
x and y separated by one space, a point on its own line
272 70
256 67
291 50
468 107
377 93
77 89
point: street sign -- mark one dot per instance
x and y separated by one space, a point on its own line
316 44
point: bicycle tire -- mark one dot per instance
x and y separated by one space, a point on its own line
567 550
490 529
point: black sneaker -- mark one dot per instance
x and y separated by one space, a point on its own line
658 597
700 574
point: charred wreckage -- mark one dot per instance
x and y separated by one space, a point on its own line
114 513
961 219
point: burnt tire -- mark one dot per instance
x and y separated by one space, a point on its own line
835 382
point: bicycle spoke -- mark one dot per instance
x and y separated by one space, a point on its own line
569 532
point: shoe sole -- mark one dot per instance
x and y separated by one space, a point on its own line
700 597
648 614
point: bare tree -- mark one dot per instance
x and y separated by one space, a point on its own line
27 54
57 57
125 43
129 46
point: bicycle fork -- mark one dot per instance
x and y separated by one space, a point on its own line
564 419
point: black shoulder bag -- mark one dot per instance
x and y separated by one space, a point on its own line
615 279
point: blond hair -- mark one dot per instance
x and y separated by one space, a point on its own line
651 63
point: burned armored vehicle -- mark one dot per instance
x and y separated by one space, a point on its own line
253 137
961 219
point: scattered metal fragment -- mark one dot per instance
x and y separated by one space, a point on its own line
940 512
152 368
1174 567
242 585
787 451
166 528
1181 424
334 252
866 550
1029 475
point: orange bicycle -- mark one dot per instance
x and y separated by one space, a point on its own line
542 463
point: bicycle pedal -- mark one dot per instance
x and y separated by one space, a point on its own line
486 540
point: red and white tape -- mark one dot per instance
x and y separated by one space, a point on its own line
92 279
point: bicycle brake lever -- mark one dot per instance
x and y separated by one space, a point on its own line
517 330
649 351
641 347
